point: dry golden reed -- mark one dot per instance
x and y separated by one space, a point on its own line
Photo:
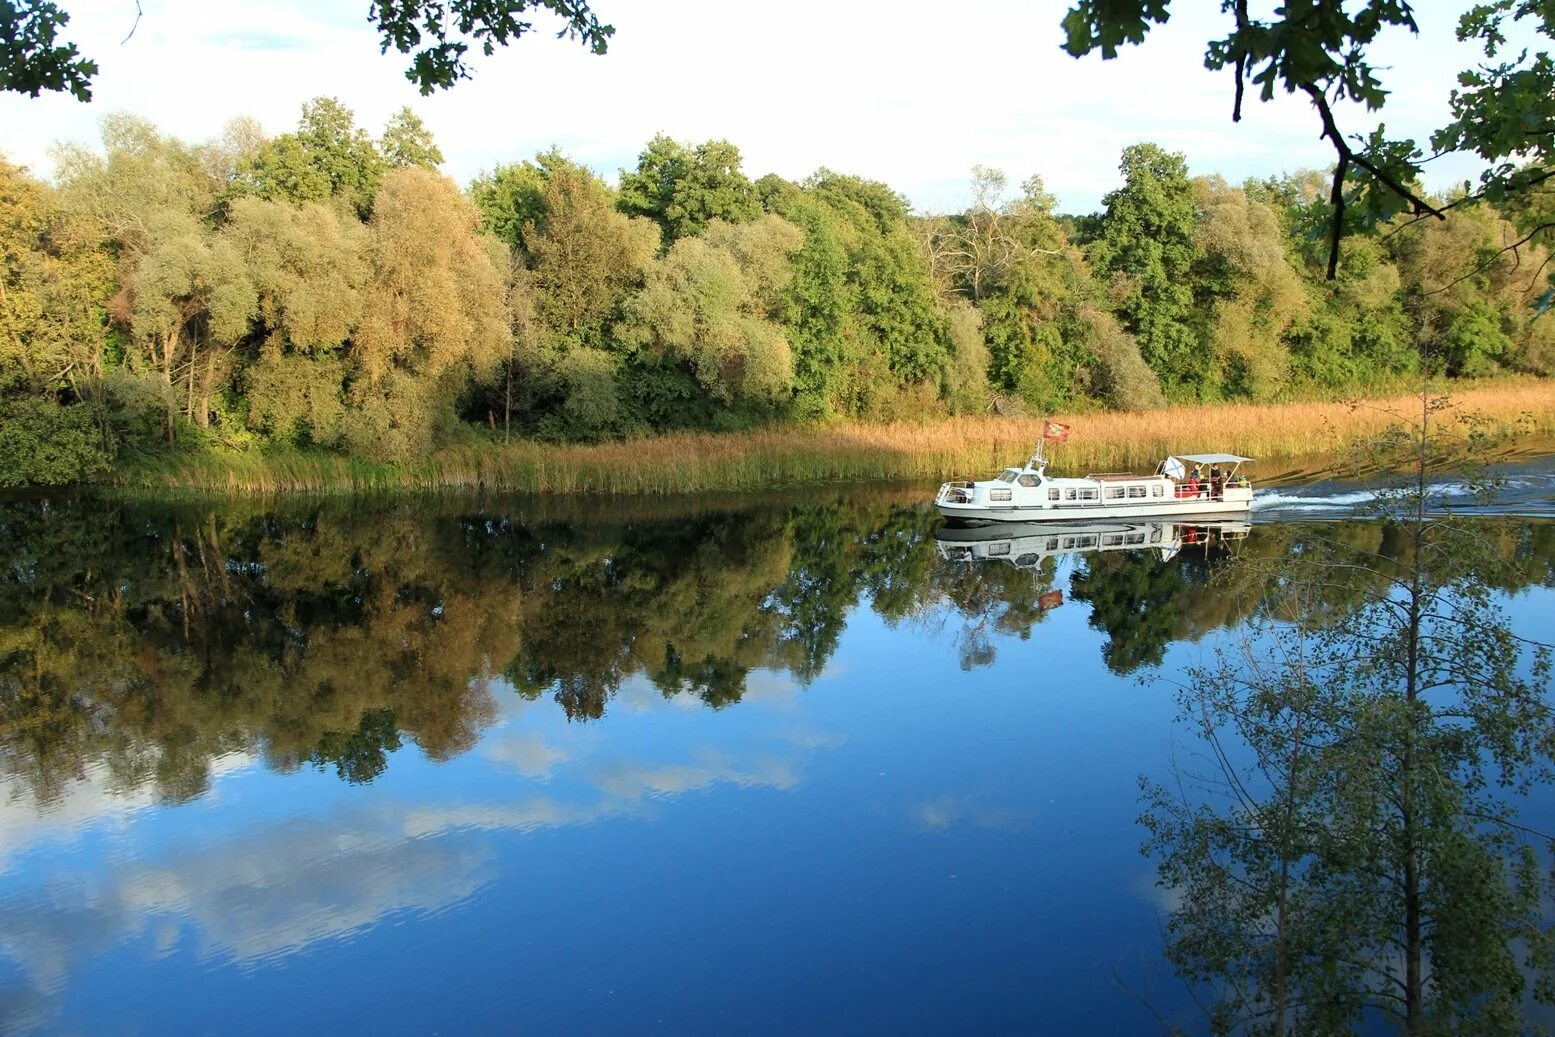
698 462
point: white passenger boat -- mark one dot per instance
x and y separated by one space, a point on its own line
1183 484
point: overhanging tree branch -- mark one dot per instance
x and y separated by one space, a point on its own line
1348 155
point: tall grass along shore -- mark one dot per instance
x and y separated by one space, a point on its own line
698 462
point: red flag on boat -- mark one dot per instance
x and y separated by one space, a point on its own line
1055 431
1051 599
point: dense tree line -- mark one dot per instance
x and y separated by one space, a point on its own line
328 290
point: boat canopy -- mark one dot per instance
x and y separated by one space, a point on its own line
1212 458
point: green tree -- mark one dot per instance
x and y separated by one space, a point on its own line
309 267
816 307
55 424
585 256
683 189
708 304
1253 296
406 141
864 317
509 197
1013 259
327 156
193 301
130 204
139 175
1147 246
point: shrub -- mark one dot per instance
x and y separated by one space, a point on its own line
45 444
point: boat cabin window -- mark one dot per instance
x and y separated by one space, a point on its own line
1052 543
1136 491
1135 538
1069 494
1008 475
1087 494
998 494
999 550
1029 480
1114 491
1157 490
1112 540
1052 494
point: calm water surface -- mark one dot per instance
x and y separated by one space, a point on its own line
805 764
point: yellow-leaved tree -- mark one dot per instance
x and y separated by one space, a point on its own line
308 266
434 313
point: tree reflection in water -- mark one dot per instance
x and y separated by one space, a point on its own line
1345 847
150 640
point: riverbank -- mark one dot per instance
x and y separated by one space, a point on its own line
1275 434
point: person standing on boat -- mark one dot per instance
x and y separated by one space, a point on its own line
1216 484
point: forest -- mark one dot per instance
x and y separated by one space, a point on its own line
328 291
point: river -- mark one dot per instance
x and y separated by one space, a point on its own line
789 764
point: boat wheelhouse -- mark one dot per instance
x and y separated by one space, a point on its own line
1213 485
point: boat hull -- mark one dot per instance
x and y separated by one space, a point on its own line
1180 509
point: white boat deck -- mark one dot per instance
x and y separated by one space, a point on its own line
1029 494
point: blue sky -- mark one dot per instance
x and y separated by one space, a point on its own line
911 93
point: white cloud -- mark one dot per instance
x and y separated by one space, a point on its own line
527 753
265 892
88 803
629 781
948 811
909 92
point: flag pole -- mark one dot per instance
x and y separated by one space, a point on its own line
1050 430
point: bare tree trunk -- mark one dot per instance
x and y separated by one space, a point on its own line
1281 951
169 345
189 396
206 386
1414 977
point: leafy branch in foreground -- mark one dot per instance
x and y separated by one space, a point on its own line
450 27
32 59
436 33
1503 111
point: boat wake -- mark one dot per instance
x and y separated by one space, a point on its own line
1526 489
1280 499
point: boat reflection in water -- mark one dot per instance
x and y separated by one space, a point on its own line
1027 545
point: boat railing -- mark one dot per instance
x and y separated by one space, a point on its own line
1210 489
